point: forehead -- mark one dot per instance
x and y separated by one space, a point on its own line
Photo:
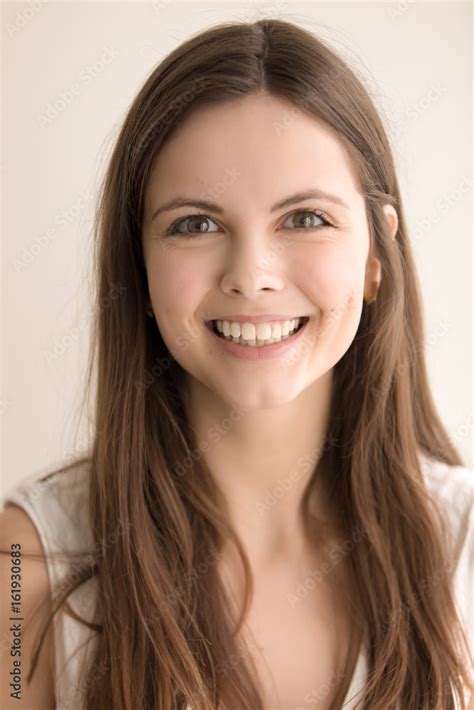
268 143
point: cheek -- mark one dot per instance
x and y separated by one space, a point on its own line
177 288
175 284
333 276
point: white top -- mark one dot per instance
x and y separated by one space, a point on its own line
59 509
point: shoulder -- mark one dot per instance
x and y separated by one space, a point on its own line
57 502
451 489
50 512
19 535
452 484
57 505
24 609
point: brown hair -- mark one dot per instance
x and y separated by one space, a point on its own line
166 634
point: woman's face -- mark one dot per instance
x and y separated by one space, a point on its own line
247 255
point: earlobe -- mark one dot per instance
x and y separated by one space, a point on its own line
374 270
392 219
373 277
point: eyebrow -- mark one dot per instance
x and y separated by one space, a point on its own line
212 206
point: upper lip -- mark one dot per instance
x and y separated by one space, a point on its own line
263 318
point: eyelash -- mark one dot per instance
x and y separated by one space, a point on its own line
172 231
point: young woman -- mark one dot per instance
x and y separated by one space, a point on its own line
272 514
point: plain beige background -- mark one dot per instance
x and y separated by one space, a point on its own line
70 72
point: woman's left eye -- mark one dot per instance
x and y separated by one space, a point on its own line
307 221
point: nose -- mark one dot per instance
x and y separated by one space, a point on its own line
253 267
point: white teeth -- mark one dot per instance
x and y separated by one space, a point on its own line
276 330
263 331
256 334
234 330
248 331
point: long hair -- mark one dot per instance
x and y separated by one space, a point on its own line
166 629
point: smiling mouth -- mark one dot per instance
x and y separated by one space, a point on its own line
212 325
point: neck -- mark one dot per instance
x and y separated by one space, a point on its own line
262 462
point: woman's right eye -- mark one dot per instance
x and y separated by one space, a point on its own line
186 233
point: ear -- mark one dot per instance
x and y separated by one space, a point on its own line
392 219
373 272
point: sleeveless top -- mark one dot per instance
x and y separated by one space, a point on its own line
58 506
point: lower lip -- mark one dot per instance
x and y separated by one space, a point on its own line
262 352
